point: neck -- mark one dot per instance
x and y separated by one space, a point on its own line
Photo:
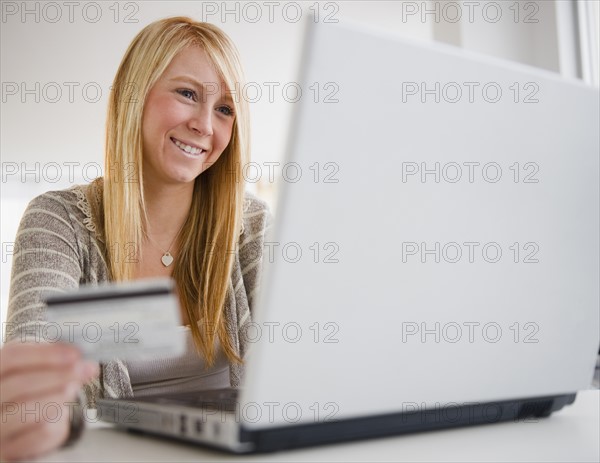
167 207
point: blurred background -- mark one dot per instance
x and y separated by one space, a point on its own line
58 60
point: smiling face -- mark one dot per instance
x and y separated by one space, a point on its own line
187 121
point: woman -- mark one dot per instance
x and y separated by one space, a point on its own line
169 204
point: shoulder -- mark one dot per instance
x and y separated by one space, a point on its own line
61 202
66 207
256 217
253 203
256 222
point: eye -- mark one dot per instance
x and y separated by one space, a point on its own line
187 93
227 111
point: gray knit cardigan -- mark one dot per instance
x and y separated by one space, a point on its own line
60 246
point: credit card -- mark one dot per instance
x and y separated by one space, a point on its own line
137 320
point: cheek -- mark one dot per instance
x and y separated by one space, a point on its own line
161 115
172 115
225 134
150 122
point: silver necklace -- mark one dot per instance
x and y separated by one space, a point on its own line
167 258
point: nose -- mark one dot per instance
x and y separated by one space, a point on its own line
201 121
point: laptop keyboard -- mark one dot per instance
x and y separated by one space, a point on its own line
218 399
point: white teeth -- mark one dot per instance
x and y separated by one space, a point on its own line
187 148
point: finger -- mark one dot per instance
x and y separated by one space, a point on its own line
23 356
90 371
33 439
45 412
30 384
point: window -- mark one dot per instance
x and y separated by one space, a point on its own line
589 39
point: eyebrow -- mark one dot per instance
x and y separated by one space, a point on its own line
202 86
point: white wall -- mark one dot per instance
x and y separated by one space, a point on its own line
52 47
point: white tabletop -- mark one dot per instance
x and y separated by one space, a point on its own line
572 434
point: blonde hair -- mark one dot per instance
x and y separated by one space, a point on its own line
214 222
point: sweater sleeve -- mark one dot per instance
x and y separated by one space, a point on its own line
46 259
257 222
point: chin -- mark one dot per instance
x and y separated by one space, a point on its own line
181 179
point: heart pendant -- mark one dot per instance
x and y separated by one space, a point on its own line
167 259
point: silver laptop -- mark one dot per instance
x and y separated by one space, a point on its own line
435 265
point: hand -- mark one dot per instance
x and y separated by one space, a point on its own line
37 383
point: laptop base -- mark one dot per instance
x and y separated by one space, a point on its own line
306 435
